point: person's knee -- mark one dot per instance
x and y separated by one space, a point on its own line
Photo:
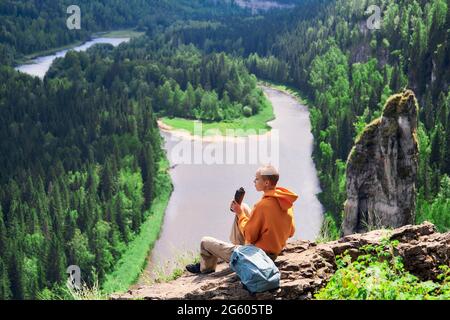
205 241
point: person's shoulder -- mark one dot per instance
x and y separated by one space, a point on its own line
265 203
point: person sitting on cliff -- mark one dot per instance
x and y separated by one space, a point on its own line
267 226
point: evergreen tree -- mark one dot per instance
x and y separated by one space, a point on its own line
5 291
148 168
56 262
107 181
3 236
16 273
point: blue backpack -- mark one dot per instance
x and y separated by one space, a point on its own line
258 273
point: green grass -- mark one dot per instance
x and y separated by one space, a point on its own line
257 122
171 270
134 260
329 231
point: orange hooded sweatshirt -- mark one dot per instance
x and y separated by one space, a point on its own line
271 222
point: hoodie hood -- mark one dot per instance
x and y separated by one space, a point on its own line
285 197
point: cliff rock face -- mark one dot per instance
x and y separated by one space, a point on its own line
382 168
306 267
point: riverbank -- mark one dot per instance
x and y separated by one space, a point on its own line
121 33
292 91
242 127
134 260
27 59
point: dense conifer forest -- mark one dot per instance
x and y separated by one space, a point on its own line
80 150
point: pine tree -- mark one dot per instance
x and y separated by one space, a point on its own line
56 210
16 273
166 99
107 181
447 140
5 290
178 97
70 225
3 236
147 164
103 256
189 101
437 145
345 137
56 261
121 216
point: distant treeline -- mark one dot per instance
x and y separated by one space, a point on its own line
30 26
179 80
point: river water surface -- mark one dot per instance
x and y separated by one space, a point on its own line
38 67
199 205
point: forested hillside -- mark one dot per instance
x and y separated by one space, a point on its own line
81 149
347 71
179 80
30 26
77 176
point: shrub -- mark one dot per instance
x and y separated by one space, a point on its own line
247 111
379 275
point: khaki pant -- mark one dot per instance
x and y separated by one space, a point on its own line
212 249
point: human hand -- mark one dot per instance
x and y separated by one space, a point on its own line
236 207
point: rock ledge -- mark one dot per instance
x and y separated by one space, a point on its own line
306 267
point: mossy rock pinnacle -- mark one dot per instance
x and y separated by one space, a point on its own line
382 169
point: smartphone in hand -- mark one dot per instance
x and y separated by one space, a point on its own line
239 196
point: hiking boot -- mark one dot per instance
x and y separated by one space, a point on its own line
193 268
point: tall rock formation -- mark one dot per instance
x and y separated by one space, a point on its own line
382 168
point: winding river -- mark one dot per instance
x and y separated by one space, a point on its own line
199 205
38 67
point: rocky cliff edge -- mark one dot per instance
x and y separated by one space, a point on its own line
306 267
